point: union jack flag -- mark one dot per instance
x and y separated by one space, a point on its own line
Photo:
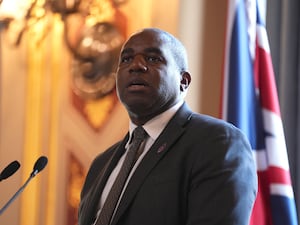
250 101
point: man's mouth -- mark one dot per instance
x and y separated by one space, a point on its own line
137 85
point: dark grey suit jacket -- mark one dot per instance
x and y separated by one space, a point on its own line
200 171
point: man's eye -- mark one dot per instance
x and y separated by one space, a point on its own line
126 59
153 59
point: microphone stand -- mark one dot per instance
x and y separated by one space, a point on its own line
38 167
21 189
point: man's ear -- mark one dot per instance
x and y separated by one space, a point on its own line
185 81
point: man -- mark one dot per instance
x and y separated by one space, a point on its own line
194 169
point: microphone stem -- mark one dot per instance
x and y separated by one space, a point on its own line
15 195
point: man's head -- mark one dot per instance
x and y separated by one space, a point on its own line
152 74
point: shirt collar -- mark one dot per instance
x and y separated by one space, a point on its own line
156 125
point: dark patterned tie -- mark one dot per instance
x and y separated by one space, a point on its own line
139 134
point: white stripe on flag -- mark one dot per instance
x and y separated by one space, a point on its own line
260 157
275 140
251 26
282 189
262 38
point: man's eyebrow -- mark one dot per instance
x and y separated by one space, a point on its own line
127 51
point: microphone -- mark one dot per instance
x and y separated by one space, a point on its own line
9 170
38 167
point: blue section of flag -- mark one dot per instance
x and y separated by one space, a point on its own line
283 210
259 19
243 109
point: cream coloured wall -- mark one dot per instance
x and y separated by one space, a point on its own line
202 28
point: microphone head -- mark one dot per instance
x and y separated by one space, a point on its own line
9 170
39 165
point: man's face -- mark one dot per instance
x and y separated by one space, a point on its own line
148 78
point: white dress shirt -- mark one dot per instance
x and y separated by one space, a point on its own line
153 127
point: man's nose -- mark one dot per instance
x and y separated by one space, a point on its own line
138 64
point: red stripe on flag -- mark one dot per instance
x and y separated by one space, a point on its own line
279 175
264 79
261 213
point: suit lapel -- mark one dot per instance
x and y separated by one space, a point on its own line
92 199
161 146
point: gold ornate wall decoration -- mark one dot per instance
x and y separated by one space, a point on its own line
94 36
21 16
95 111
95 60
76 176
95 41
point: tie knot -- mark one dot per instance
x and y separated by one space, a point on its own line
139 134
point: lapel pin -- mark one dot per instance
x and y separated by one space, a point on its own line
162 148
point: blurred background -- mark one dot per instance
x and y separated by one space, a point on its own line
57 93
